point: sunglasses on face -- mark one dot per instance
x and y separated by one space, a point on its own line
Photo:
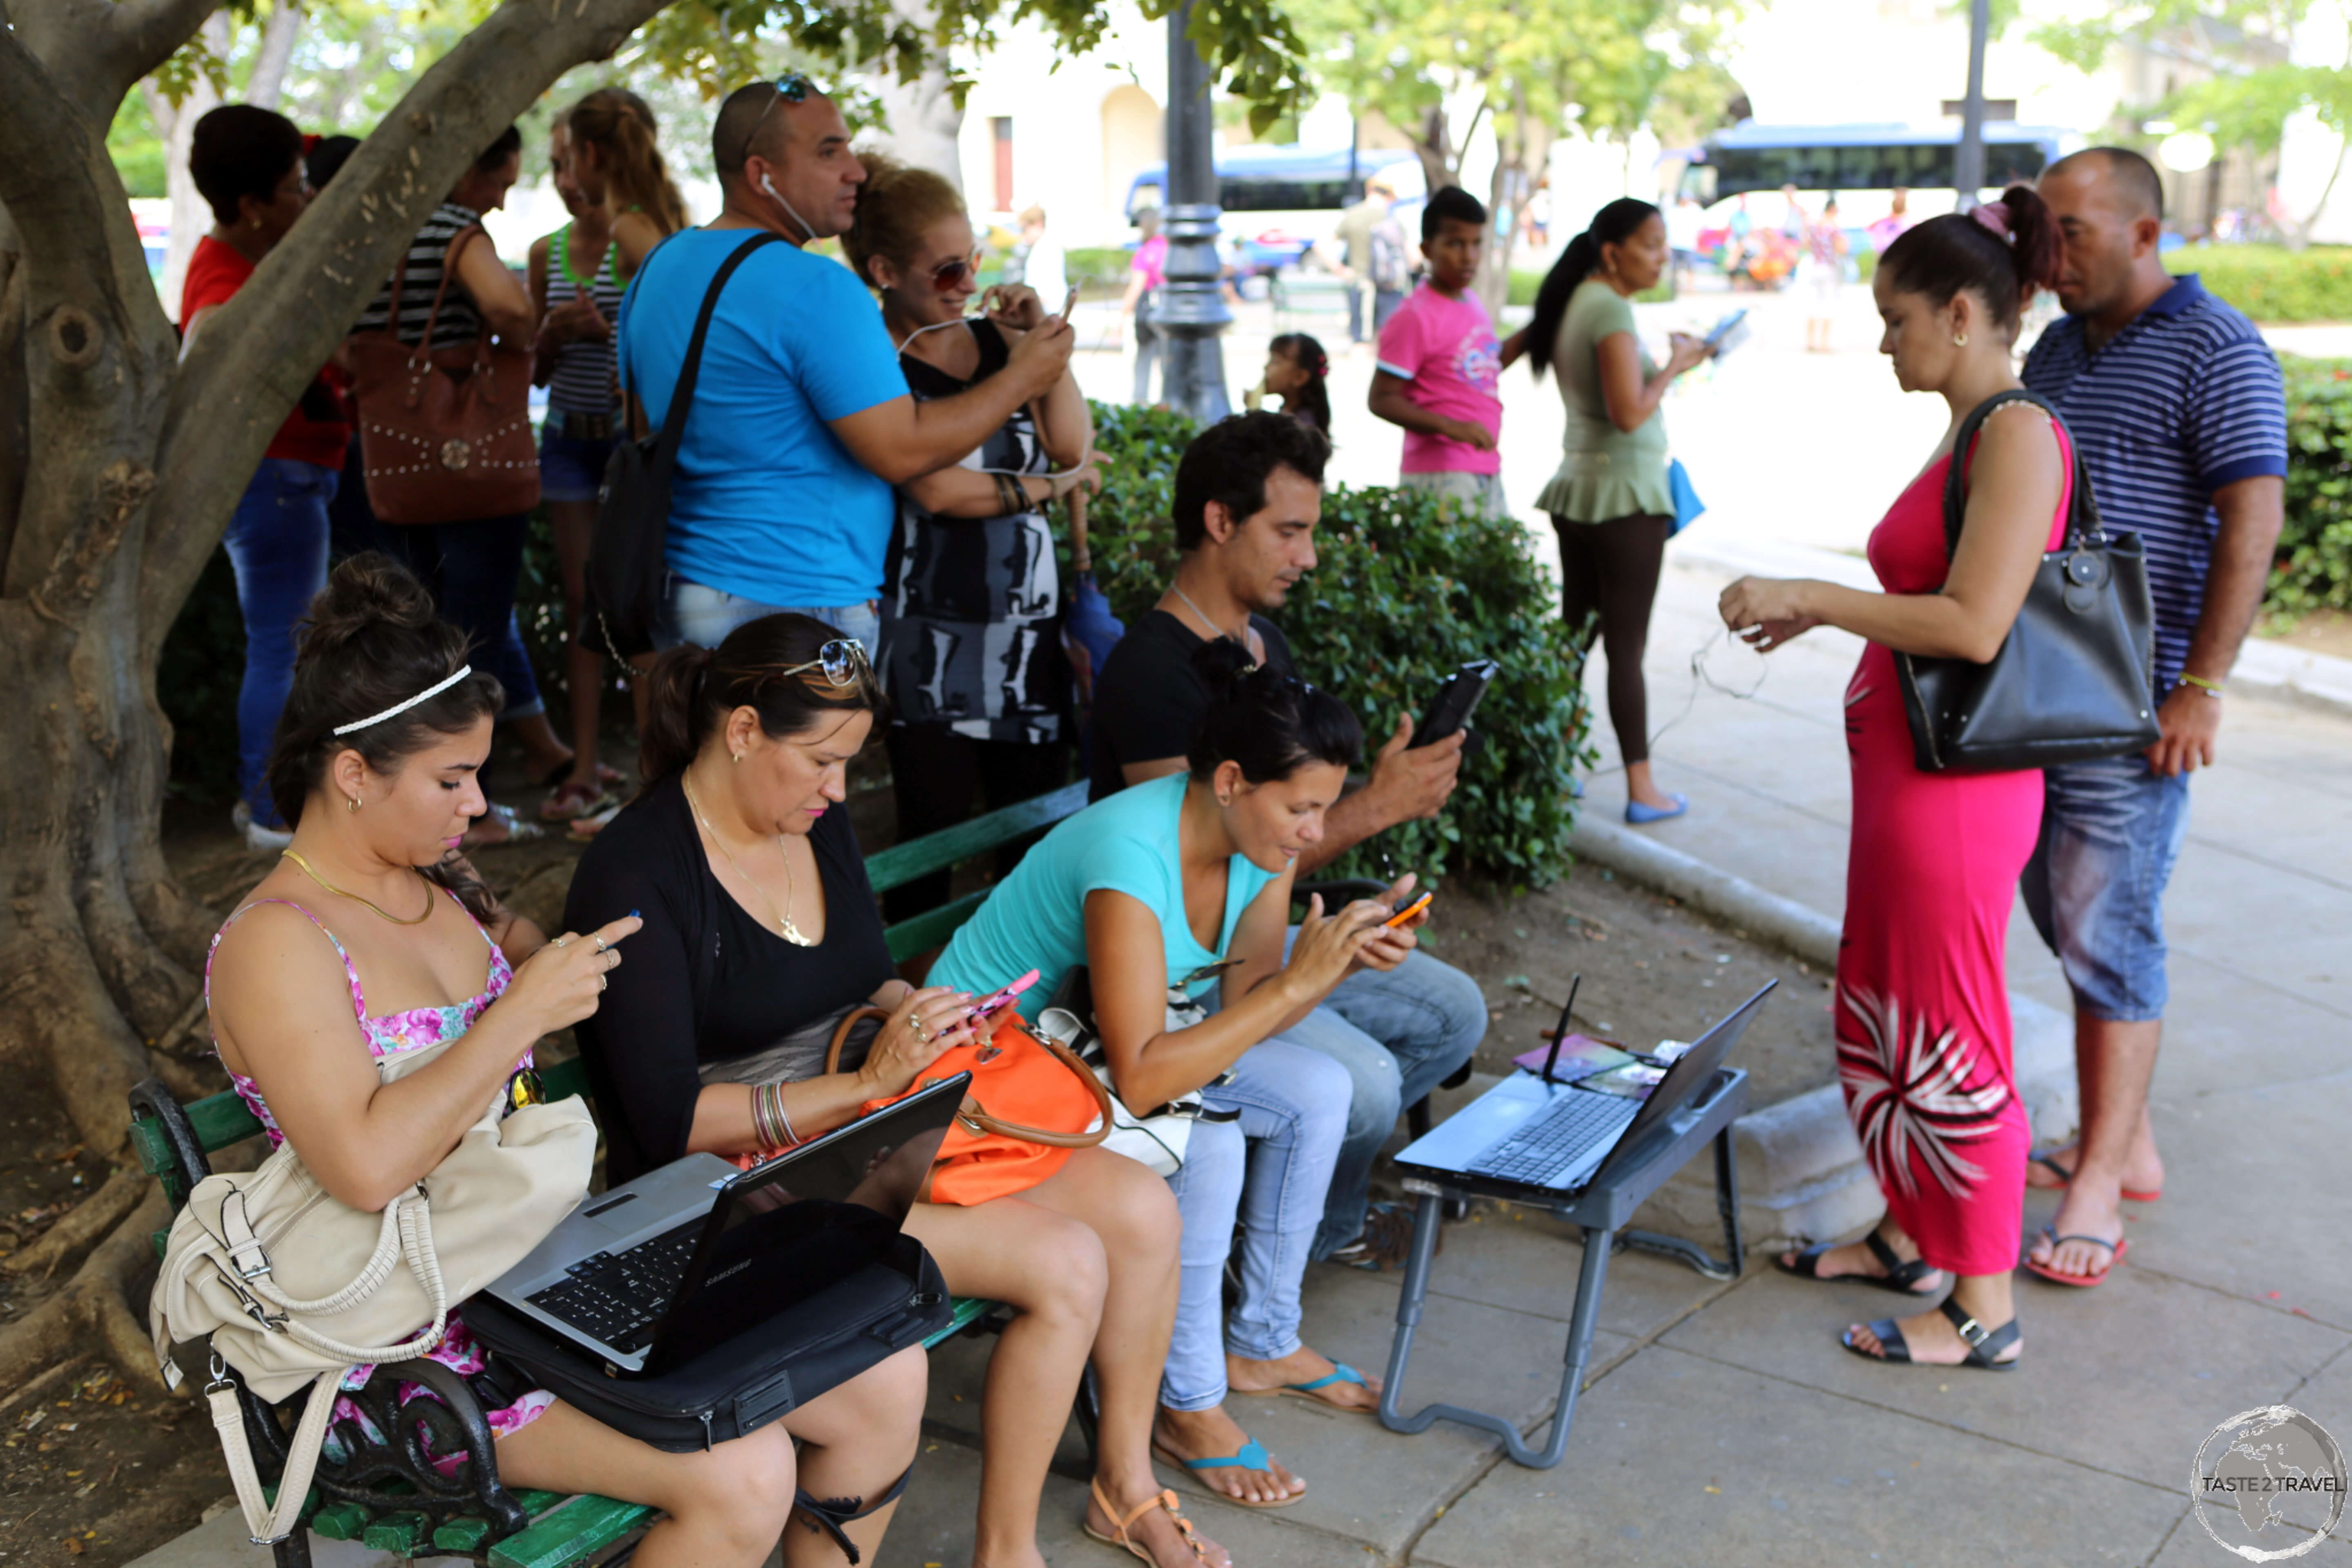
949 275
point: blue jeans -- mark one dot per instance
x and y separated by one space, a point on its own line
1399 1035
2111 831
1270 1171
472 569
277 542
693 613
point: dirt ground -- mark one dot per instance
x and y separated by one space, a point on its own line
94 1473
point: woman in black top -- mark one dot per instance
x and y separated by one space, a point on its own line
971 636
761 933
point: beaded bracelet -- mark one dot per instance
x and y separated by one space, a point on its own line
2210 688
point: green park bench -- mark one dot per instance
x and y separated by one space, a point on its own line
381 1496
1300 296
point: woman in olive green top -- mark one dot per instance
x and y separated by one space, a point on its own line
1610 503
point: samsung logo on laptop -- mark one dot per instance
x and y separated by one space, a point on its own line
724 1273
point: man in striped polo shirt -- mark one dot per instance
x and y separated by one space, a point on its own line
2180 410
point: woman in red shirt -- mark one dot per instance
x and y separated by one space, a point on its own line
247 164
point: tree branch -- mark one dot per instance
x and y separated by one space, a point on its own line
254 357
135 37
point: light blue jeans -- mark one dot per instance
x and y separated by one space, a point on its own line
1399 1035
694 612
1269 1171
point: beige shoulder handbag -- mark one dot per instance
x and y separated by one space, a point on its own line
294 1287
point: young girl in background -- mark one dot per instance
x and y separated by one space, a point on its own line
1296 370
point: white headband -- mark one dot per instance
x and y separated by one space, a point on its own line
435 689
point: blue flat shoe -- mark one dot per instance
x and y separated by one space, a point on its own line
1637 813
1252 1457
1342 1373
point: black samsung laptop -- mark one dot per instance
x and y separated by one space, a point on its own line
1557 1137
652 1273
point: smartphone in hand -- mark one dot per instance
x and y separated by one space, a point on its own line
1406 913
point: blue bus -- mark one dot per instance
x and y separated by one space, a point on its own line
1751 157
1279 201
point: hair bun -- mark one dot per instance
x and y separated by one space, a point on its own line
366 593
1224 664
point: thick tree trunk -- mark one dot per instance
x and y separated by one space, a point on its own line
118 466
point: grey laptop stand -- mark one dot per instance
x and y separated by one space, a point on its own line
1602 1209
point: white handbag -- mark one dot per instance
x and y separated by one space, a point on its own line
1158 1138
292 1285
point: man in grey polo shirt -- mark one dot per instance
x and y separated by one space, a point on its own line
2179 409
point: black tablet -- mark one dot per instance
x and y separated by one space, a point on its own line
1456 701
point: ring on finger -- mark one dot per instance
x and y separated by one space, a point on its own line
602 944
604 983
558 941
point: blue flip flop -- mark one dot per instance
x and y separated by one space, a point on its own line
1640 814
1344 1373
1252 1457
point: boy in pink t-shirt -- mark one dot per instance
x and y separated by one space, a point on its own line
1440 369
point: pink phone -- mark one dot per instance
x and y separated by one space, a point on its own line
987 1005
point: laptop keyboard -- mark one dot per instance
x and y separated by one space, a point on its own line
616 1297
1548 1139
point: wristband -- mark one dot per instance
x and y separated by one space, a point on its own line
2210 688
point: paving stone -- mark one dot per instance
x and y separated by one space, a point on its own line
2127 1378
1678 1460
2251 1181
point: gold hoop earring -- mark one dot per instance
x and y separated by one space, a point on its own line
738 756
1959 340
350 802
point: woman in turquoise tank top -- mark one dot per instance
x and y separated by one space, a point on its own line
1177 888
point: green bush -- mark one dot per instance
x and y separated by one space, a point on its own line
2272 283
1096 264
1525 282
1405 591
2313 569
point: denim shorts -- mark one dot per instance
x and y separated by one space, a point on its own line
2111 831
571 468
703 616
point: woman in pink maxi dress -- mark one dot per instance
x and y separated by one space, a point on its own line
1922 1002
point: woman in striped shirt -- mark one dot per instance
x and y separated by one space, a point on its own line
609 172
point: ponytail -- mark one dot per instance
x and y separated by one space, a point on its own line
1314 399
2003 252
621 126
692 689
1613 225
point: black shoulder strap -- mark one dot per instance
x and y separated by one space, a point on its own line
682 398
2081 508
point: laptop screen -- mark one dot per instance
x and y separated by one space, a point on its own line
1688 1077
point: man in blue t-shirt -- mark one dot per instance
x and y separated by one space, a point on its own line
2178 409
802 421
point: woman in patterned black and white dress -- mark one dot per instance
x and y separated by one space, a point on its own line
971 647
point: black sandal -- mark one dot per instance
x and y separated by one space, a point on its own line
1983 1343
1899 1276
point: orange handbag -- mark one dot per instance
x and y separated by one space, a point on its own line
1061 1105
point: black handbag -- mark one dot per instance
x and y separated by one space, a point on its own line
627 569
859 1321
2075 678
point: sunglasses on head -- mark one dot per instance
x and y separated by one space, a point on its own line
843 660
791 88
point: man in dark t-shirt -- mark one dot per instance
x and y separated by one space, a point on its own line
1249 492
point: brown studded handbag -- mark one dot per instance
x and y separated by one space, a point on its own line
445 434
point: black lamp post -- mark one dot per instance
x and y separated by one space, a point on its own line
1969 158
1192 311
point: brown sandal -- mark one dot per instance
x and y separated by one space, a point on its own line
1166 1499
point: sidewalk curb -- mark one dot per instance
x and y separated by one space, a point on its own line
2276 669
1801 1174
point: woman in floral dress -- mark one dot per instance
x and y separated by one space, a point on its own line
346 919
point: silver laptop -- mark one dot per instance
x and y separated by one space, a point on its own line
686 1257
1556 1137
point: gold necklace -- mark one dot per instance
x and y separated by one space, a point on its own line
785 927
341 893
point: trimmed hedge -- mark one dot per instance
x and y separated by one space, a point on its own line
2272 283
1405 592
2314 556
